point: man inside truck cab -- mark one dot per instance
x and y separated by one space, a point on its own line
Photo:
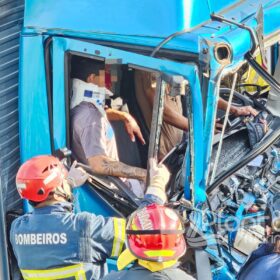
174 122
93 139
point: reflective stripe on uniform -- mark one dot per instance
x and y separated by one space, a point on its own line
119 236
159 253
76 271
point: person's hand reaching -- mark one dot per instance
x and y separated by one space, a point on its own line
159 174
76 176
159 177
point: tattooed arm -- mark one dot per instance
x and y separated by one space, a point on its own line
106 166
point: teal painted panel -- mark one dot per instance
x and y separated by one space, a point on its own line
33 110
153 18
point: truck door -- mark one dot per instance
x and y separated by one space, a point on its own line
63 48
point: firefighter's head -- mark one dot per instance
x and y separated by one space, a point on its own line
43 179
154 237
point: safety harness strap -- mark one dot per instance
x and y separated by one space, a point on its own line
76 271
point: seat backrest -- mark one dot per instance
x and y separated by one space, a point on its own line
129 96
128 151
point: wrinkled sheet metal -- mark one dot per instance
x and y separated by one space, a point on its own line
188 42
121 17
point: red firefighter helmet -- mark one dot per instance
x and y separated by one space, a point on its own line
39 176
155 233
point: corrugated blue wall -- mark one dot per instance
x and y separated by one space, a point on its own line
11 19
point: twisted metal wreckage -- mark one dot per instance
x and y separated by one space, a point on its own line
216 178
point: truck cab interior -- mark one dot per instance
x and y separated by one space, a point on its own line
120 80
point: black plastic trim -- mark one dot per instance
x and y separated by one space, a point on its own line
48 74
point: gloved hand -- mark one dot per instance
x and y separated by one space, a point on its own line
76 176
159 176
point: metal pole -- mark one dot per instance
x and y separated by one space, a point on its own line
223 130
156 122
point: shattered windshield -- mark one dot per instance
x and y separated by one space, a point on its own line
245 117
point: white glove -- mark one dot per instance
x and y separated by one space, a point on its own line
76 176
159 176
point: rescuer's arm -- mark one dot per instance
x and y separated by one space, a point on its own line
76 176
130 124
169 115
159 175
104 165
